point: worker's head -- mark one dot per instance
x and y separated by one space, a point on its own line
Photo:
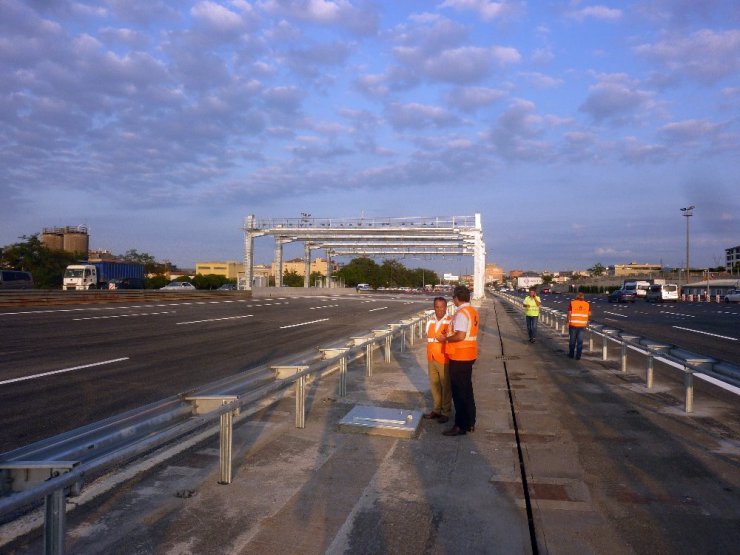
440 307
580 296
461 294
532 291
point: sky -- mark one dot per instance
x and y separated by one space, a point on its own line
576 129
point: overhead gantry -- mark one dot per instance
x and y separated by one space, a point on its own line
416 236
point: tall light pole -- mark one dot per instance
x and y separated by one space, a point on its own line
687 213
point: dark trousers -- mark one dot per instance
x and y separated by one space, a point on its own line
461 377
532 326
575 341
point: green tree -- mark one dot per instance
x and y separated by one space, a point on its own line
208 281
315 278
597 269
360 270
30 255
292 279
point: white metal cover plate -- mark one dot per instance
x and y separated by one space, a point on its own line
381 421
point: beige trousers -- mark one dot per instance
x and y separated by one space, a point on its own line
439 380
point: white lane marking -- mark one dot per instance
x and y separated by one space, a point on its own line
323 306
374 309
120 316
615 314
214 319
706 333
34 376
678 314
304 323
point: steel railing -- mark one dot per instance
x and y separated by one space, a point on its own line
708 369
55 468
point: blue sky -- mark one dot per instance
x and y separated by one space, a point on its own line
577 129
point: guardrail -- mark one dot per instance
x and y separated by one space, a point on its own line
55 468
43 297
717 372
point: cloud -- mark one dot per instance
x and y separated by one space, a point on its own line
419 116
615 98
601 13
540 80
706 56
362 20
518 132
470 99
485 9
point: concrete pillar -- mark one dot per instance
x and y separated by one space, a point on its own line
479 261
248 252
307 264
279 261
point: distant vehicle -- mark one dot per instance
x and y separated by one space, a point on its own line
178 286
545 291
364 287
733 296
15 279
126 283
661 293
622 296
97 275
228 287
638 287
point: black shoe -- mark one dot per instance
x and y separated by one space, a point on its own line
442 419
570 356
432 415
454 431
472 428
578 358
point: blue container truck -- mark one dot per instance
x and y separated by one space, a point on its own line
101 274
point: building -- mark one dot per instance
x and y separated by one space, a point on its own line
230 269
527 280
69 239
494 273
633 269
298 266
732 261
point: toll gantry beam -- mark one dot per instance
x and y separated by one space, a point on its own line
415 236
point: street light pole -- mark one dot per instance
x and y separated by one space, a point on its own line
687 213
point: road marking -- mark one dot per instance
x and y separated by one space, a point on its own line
615 314
34 376
214 319
120 316
678 314
304 323
706 333
374 309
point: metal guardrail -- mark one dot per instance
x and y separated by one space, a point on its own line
717 372
55 468
44 297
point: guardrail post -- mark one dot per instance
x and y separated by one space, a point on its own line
403 340
689 384
343 376
604 350
55 522
369 359
565 327
412 333
388 348
649 375
225 437
590 341
300 402
624 356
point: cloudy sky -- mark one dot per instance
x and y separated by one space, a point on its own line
577 129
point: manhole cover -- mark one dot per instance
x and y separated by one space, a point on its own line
507 357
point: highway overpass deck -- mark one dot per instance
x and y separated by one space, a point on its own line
567 457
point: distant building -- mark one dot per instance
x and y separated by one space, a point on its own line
527 280
298 266
633 269
68 239
494 273
230 269
732 258
515 273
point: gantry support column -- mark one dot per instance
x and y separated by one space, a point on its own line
248 252
479 261
307 264
279 242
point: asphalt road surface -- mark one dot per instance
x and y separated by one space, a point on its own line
61 368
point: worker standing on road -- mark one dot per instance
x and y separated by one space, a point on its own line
578 314
462 349
532 313
439 326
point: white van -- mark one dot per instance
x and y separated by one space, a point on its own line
638 287
663 293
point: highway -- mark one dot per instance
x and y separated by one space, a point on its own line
709 329
64 367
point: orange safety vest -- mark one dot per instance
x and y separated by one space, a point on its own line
467 349
435 328
578 313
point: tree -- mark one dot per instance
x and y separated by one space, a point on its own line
292 279
597 269
209 281
31 255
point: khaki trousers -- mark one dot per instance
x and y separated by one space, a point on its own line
439 380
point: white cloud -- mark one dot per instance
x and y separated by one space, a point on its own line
419 116
540 80
487 10
470 99
601 13
216 16
615 98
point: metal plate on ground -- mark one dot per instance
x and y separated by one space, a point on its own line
381 421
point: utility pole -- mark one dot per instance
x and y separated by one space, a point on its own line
687 213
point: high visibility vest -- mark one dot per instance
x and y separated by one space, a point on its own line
467 349
578 313
530 306
436 328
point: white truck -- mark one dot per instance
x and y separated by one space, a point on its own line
100 274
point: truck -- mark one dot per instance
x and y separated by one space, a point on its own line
102 274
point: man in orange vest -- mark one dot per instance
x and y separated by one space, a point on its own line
462 349
438 362
578 314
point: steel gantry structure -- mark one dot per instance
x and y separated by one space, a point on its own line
415 236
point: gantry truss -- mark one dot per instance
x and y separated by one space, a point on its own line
415 236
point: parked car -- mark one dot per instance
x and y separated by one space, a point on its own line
732 296
622 296
14 279
228 287
178 286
